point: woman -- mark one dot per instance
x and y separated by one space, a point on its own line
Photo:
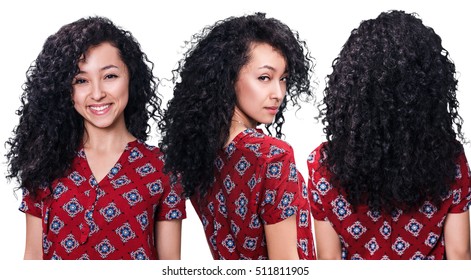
244 185
392 181
92 188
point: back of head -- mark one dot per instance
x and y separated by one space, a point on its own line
196 124
391 114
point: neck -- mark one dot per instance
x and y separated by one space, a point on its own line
106 138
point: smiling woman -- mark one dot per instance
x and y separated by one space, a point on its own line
92 188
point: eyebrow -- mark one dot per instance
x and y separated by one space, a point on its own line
269 67
103 68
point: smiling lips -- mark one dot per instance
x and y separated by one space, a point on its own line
100 109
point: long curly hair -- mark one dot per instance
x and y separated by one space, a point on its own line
196 123
391 115
50 130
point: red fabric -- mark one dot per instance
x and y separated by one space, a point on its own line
113 219
367 235
257 183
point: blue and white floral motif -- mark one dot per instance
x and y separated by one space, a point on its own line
228 184
253 182
250 243
125 232
155 187
55 257
286 200
254 148
305 192
400 246
172 199
458 172
315 197
59 189
174 214
418 256
116 168
204 221
139 254
269 197
223 210
242 166
293 173
428 209
303 218
431 240
395 214
220 197
234 228
56 225
385 230
356 229
46 244
323 186
372 246
414 227
356 257
132 197
145 170
143 220
288 212
254 222
134 155
374 215
311 157
84 257
76 178
274 170
341 207
230 149
241 204
274 150
104 248
72 207
303 244
219 163
211 208
229 243
121 181
69 243
110 212
92 181
23 206
456 196
213 242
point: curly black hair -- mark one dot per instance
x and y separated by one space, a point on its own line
196 123
50 130
391 115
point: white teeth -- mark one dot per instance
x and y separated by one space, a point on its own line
99 108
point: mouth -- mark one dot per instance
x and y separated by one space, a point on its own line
272 109
99 109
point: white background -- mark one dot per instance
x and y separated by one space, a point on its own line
161 28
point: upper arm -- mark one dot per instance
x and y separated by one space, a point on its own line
457 236
281 239
168 239
33 247
327 241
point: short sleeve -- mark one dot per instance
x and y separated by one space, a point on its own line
461 188
34 205
282 186
172 204
318 183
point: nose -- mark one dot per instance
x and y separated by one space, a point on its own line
278 91
97 91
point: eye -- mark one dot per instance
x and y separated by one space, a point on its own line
111 76
78 81
284 79
264 78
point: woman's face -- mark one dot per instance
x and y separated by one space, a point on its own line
260 86
101 88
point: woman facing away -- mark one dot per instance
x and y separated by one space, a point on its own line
392 180
244 185
92 189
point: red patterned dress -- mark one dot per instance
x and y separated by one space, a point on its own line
369 234
257 183
110 219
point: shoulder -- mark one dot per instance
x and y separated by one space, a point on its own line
317 156
266 146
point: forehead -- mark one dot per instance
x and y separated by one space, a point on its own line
266 54
102 53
